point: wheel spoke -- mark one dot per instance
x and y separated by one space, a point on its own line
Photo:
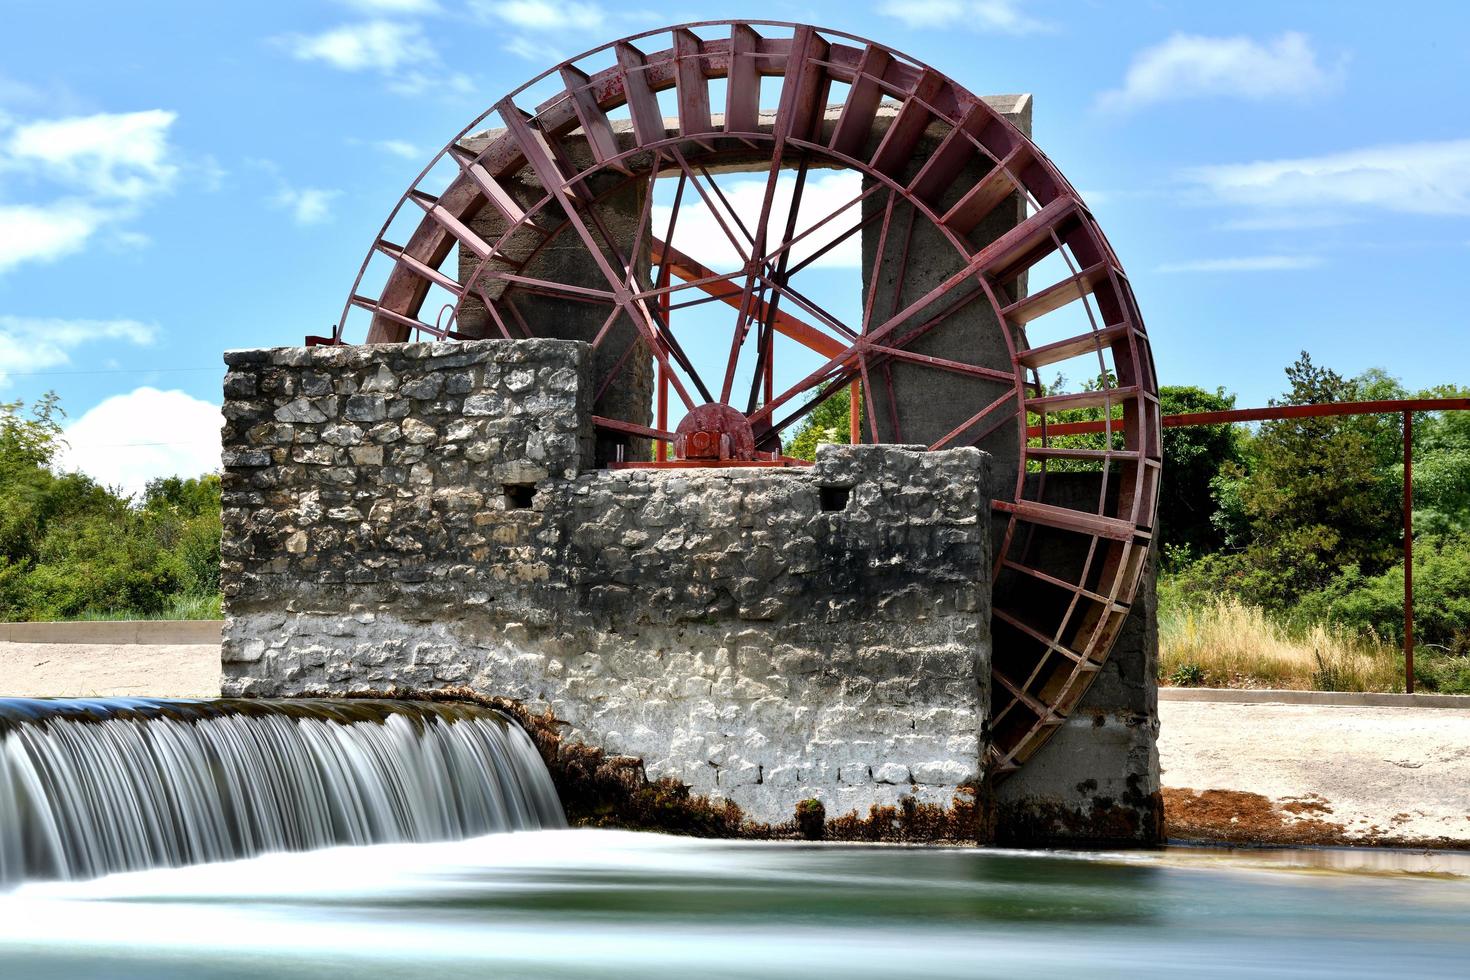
842 329
1005 252
678 158
494 313
973 420
551 287
729 208
945 364
792 241
838 240
656 253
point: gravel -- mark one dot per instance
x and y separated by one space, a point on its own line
76 670
1399 772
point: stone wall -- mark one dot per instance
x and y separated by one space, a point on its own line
425 515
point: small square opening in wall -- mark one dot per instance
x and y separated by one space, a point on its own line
834 498
519 496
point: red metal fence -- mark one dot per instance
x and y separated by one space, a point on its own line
1402 406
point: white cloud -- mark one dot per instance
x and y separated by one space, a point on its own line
1286 220
12 91
130 439
990 16
1248 263
398 50
394 6
533 50
42 233
374 45
1190 66
416 82
698 235
1407 178
308 205
544 15
123 156
106 166
398 148
37 343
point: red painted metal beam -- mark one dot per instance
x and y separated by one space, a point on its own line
1408 552
1406 406
690 270
1391 406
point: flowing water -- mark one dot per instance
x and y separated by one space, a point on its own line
89 787
616 904
252 777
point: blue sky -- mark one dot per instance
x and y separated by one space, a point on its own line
177 179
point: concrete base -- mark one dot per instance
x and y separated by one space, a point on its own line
162 632
1096 782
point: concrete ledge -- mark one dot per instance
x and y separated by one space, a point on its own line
158 632
1343 698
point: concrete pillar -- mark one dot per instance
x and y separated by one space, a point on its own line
564 258
931 403
1096 781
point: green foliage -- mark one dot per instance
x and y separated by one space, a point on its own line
1187 675
35 440
1441 466
71 548
1441 597
1307 518
1194 457
185 514
828 422
1316 496
1442 674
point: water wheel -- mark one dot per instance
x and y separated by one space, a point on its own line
641 198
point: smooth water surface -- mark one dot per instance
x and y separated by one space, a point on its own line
606 903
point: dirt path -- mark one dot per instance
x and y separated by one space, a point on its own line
1316 774
74 670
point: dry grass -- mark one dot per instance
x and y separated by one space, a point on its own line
1226 644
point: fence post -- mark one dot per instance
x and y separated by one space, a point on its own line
1408 552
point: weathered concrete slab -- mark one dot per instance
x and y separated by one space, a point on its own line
1360 774
1347 699
148 631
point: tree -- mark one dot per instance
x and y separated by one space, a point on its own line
1316 496
184 516
69 546
828 422
1441 467
1194 457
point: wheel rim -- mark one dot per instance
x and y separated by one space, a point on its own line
927 153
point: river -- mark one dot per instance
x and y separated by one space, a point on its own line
617 904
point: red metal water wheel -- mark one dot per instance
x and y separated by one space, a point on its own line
980 267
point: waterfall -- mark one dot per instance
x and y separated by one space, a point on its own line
93 786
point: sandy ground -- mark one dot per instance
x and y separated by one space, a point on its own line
87 670
1395 775
1288 773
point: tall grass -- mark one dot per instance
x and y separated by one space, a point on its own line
1227 644
188 606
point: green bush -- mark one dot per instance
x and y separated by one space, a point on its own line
1441 597
70 548
1441 673
1187 675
